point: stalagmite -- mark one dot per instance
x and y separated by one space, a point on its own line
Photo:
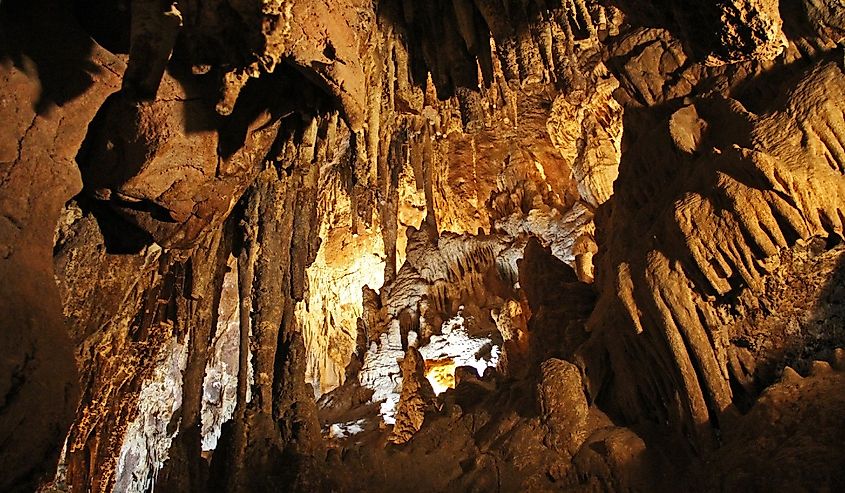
416 396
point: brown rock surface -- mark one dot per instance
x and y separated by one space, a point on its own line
795 427
416 398
563 406
52 80
614 228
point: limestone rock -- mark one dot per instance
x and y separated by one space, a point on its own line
748 29
563 406
827 18
52 80
618 459
417 397
587 130
761 221
627 218
687 129
140 157
791 408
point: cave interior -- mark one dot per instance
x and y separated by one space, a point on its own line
454 245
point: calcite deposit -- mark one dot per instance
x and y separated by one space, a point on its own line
455 245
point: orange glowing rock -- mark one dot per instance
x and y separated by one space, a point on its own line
441 374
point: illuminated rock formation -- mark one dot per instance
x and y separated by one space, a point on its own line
468 245
417 396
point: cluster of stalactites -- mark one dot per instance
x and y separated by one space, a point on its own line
464 44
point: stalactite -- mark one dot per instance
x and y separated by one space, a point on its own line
155 26
465 16
453 156
248 229
183 469
528 56
585 14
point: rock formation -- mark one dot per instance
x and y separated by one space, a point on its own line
239 240
417 396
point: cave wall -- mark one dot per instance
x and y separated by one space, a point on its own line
680 170
48 97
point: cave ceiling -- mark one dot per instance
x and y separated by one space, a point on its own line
453 245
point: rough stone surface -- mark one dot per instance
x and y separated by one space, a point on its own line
417 396
563 406
633 208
